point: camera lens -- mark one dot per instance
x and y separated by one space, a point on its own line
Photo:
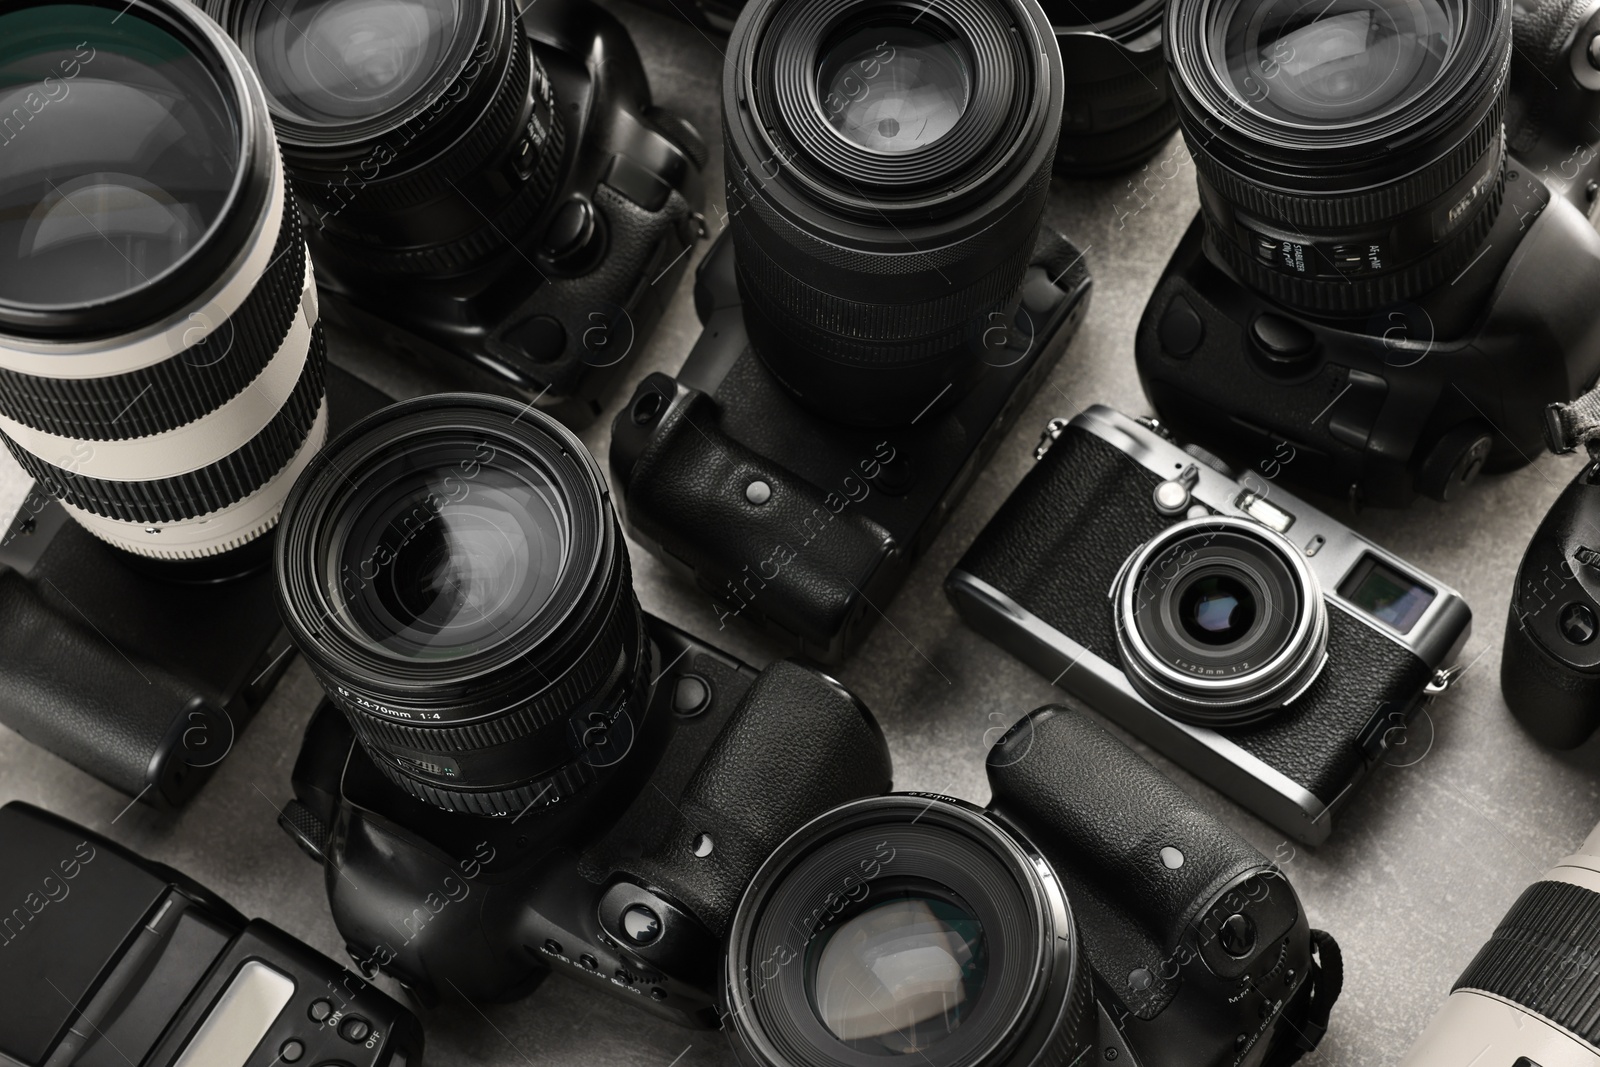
888 164
1350 154
906 928
899 972
161 363
1119 108
1219 623
422 135
452 570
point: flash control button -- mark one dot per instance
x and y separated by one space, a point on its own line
354 1028
320 1010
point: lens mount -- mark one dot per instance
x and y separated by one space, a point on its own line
1220 622
906 925
452 571
1351 155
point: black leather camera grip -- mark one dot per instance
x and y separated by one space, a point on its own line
759 537
1092 801
108 711
797 746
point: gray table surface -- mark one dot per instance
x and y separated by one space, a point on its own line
1423 863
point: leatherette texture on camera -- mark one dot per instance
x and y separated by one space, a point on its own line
1055 548
793 559
1103 816
63 687
795 748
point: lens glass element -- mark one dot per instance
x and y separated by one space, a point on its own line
336 61
448 552
1331 62
1217 609
893 88
900 974
119 151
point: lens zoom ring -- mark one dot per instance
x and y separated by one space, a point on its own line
1361 209
486 136
202 491
562 783
575 690
1545 955
1369 294
505 228
179 390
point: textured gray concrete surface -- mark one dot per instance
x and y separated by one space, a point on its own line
1425 860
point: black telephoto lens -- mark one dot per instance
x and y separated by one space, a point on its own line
1119 107
161 362
452 570
888 163
1350 153
422 135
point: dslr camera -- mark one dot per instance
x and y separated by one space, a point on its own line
112 959
881 304
1264 647
1394 264
528 773
1526 996
491 191
1092 913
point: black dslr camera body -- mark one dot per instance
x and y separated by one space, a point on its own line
111 959
1270 650
510 207
1383 311
1093 913
629 886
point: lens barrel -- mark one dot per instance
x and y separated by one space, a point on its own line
1220 622
888 163
1119 107
1350 155
906 928
453 572
161 360
421 135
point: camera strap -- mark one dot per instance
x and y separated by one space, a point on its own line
1327 979
1571 423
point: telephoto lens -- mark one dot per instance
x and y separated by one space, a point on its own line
452 571
161 363
1350 154
888 163
422 134
1119 107
1528 996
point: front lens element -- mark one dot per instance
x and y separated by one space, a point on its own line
457 566
335 61
900 974
119 153
1311 62
1220 622
894 88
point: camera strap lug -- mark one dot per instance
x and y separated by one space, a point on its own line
1052 431
1443 679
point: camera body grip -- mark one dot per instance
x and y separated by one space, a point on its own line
108 711
797 746
1092 800
754 533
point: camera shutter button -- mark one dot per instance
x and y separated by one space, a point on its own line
1578 623
569 230
1237 935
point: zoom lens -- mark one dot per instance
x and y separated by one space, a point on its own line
894 157
161 363
1219 622
906 929
1350 154
452 571
421 135
1119 107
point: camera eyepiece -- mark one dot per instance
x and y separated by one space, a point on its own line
422 135
452 570
911 927
161 360
1219 624
1351 155
887 166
